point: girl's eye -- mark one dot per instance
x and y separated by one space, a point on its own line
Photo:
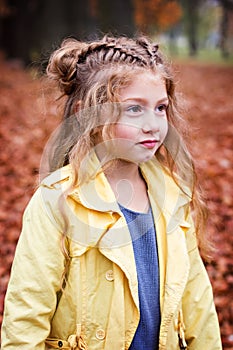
135 109
161 108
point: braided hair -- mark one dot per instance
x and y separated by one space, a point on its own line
73 57
91 74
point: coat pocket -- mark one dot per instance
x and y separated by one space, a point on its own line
181 331
74 342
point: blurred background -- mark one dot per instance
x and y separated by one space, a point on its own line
197 37
201 28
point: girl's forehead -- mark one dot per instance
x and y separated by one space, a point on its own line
145 81
146 77
148 88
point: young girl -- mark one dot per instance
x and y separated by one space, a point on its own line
108 256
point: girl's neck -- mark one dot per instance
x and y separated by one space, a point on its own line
123 170
128 186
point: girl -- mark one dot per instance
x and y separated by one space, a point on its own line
108 255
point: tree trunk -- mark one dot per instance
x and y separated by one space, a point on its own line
116 16
36 27
227 8
16 29
191 19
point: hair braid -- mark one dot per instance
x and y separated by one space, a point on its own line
116 50
151 49
92 75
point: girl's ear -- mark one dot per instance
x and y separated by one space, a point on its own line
77 106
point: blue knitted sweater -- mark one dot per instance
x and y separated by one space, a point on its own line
143 234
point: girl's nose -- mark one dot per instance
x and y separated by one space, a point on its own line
150 123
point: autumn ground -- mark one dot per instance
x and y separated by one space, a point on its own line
27 119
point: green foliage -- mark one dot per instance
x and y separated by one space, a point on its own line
204 55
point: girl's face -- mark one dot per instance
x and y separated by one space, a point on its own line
142 126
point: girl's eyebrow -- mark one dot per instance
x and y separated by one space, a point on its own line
144 101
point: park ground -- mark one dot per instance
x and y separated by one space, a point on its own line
28 117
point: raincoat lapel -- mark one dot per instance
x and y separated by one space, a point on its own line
169 203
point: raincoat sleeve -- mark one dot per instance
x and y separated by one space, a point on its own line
35 280
200 317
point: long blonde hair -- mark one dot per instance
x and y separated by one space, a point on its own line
89 75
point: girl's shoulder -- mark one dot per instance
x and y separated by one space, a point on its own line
158 176
50 189
58 179
45 203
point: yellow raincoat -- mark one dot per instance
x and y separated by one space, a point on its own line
99 307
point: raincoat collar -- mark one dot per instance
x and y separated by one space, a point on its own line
96 193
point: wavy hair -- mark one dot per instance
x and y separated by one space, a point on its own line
89 76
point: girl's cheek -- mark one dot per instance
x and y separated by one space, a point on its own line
164 129
125 131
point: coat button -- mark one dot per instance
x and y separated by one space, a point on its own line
100 334
109 275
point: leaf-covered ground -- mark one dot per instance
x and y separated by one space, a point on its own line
28 118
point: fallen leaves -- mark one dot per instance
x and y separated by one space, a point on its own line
28 118
209 92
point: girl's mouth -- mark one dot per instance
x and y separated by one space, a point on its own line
149 143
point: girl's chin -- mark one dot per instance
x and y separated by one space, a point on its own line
136 160
132 156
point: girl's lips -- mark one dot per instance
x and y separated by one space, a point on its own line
149 143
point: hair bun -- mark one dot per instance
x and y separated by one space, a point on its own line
62 64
